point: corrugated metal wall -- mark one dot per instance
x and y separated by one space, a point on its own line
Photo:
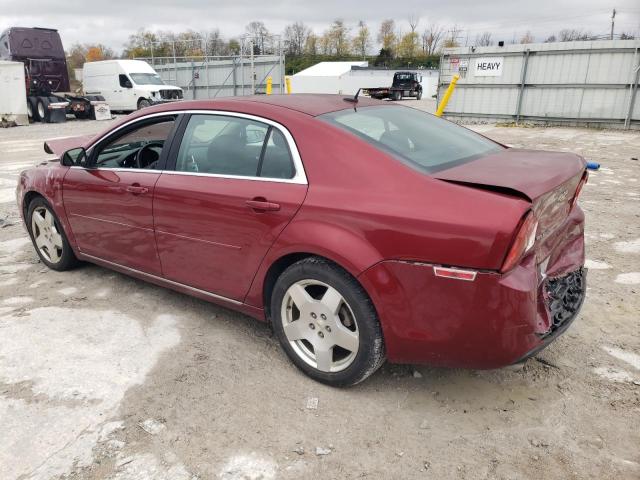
570 82
215 77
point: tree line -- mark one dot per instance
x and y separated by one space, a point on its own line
392 45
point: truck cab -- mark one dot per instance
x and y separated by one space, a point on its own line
404 84
127 85
407 81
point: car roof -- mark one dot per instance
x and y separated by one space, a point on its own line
310 104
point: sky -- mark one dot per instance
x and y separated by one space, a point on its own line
111 23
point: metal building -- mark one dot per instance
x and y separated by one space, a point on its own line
574 83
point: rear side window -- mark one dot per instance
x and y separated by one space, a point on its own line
235 146
416 137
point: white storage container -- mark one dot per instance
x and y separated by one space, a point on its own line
13 96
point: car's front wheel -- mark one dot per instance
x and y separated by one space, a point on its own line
327 323
48 237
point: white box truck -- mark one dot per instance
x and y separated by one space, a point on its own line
127 85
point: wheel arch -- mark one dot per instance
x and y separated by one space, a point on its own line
275 270
29 197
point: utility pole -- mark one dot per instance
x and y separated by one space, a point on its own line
613 16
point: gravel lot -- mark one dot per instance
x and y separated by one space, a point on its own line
104 376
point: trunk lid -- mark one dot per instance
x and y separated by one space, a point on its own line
529 173
58 146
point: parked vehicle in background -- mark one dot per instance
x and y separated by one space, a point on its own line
405 84
127 84
46 75
360 233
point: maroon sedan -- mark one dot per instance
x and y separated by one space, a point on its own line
362 231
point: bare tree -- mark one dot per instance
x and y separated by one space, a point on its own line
387 35
259 32
451 39
295 37
572 35
551 39
414 19
311 44
484 40
431 39
362 39
527 38
215 43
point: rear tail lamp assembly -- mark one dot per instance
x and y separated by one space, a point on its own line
583 181
523 241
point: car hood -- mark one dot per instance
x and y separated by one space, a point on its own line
530 173
58 146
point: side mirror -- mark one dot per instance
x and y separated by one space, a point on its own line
76 157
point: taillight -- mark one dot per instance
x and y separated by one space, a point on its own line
583 181
523 241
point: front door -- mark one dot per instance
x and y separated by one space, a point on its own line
110 203
233 188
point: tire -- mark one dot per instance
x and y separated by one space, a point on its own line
397 95
42 109
419 96
51 243
32 109
143 103
356 326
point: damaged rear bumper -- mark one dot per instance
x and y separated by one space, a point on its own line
490 322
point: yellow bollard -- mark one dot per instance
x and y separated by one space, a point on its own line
287 81
447 95
269 85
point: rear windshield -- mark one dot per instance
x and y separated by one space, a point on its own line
146 79
416 137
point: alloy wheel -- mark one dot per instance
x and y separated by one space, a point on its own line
47 238
320 325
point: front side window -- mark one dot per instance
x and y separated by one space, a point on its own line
124 81
422 140
224 145
137 148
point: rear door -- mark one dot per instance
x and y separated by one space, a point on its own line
232 184
110 202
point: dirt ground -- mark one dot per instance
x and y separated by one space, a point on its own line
104 376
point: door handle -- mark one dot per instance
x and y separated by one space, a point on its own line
136 189
261 205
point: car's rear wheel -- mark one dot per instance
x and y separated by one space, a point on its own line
48 237
326 323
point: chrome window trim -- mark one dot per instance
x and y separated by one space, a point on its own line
299 178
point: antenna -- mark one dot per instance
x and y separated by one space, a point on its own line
353 99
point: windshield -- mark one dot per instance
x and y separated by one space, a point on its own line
404 76
146 79
422 140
